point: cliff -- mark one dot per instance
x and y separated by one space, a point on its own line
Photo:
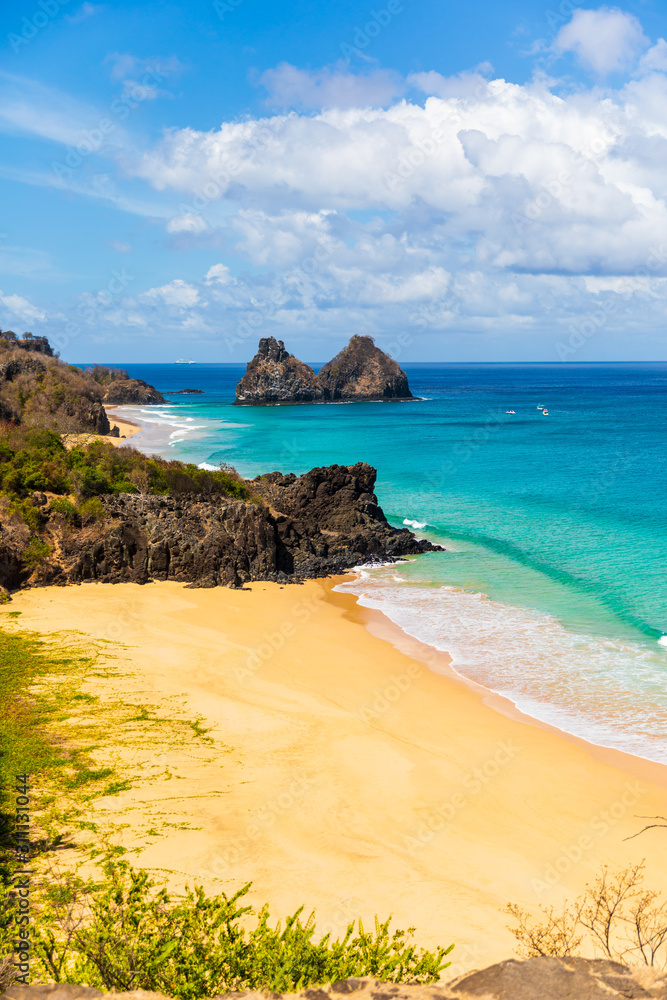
362 371
275 376
37 389
324 522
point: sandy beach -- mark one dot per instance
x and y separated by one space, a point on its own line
126 427
344 772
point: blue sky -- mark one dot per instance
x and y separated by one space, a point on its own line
464 182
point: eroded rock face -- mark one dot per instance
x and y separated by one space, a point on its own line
535 979
132 390
314 525
276 376
362 371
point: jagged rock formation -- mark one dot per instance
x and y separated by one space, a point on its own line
275 376
132 391
322 523
20 366
535 979
362 371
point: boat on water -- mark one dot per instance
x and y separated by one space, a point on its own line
510 411
185 361
545 412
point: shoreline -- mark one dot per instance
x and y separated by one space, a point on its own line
388 629
440 663
343 772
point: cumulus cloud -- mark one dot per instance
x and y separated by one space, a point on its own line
189 222
20 308
289 87
218 274
177 293
605 40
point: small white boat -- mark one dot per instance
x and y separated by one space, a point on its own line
510 411
185 361
545 413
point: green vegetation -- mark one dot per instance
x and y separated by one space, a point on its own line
37 460
121 930
129 934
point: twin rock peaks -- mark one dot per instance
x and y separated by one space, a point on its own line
361 371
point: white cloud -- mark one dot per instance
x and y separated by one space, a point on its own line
218 274
605 40
177 293
21 308
189 222
290 87
120 246
655 60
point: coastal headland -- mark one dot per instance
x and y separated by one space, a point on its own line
349 768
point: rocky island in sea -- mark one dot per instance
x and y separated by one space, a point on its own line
361 372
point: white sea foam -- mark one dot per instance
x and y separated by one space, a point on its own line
662 641
415 524
208 467
608 691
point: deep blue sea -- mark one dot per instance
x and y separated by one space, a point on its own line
553 586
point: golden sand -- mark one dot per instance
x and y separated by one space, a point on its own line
345 773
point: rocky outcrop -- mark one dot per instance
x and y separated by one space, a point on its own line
309 526
275 376
535 979
21 366
131 391
361 371
37 345
184 392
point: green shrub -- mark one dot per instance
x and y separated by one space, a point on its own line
61 505
137 937
29 514
91 510
35 552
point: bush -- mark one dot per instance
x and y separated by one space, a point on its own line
91 510
35 553
128 935
61 505
616 916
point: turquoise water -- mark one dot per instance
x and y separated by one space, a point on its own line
553 588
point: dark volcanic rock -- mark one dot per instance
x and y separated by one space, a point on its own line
37 345
362 371
324 522
132 390
21 366
275 376
184 392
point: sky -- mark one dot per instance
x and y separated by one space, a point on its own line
464 182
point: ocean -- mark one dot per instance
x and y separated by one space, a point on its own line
553 587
